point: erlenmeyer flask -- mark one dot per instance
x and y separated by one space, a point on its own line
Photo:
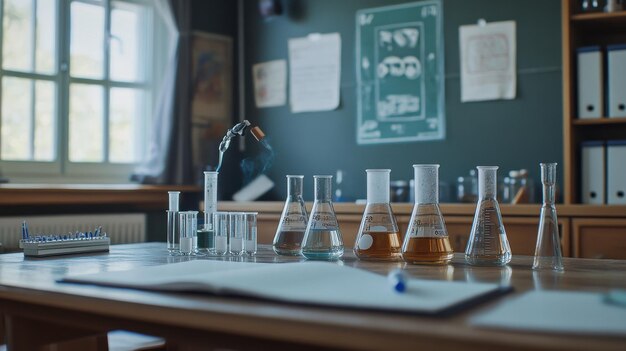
426 240
290 231
548 249
487 245
378 237
322 238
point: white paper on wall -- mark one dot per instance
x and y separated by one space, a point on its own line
270 83
488 59
314 72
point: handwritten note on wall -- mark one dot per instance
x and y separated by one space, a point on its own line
400 73
488 55
314 72
270 83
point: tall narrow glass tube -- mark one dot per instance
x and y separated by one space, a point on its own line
548 249
172 223
488 244
378 237
426 240
322 238
206 234
188 231
293 220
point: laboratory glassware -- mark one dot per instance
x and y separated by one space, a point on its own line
172 223
221 226
426 240
488 244
378 237
322 238
250 238
293 220
548 249
237 233
188 232
206 234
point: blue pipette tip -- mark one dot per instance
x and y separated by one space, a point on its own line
397 280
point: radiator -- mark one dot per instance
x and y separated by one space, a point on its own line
121 228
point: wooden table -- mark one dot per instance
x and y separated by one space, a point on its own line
40 311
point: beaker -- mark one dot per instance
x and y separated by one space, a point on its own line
487 245
322 238
221 226
378 237
188 232
548 248
237 233
206 234
426 240
173 235
293 220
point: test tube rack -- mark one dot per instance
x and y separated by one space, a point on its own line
43 245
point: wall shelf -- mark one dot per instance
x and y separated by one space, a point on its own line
599 121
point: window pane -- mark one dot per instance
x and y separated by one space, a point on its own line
45 121
127 38
87 40
17 41
16 119
125 111
46 37
86 123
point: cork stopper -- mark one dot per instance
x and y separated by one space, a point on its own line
257 133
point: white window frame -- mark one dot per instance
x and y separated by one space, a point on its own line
62 170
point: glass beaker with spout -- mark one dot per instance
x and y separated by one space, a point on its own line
426 240
488 244
293 220
322 238
548 249
378 237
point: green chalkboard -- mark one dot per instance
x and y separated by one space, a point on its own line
400 73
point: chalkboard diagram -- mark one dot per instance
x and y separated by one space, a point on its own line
400 73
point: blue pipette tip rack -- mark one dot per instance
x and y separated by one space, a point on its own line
42 245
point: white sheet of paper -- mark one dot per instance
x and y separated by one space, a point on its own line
270 83
557 311
488 59
314 72
318 283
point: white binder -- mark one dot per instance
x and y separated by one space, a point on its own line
593 173
616 75
590 82
616 172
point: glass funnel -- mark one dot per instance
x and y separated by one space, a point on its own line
322 238
488 244
548 249
378 237
293 220
426 240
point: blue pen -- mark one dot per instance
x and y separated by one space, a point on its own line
397 280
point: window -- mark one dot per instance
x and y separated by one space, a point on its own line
76 87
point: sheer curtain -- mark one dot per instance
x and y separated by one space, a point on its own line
168 159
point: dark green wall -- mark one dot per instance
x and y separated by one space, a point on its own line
512 134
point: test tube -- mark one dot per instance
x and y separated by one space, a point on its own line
221 225
237 233
188 232
172 223
250 235
210 207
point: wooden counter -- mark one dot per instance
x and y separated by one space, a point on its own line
586 231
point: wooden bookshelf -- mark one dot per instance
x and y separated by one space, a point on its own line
599 121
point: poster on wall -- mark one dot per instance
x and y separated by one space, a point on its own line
211 56
400 73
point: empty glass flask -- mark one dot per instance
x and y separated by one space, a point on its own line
548 248
293 220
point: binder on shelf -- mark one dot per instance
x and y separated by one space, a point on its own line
616 172
616 76
590 82
593 172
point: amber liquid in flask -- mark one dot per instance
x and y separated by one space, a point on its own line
488 244
426 240
293 220
322 238
378 238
